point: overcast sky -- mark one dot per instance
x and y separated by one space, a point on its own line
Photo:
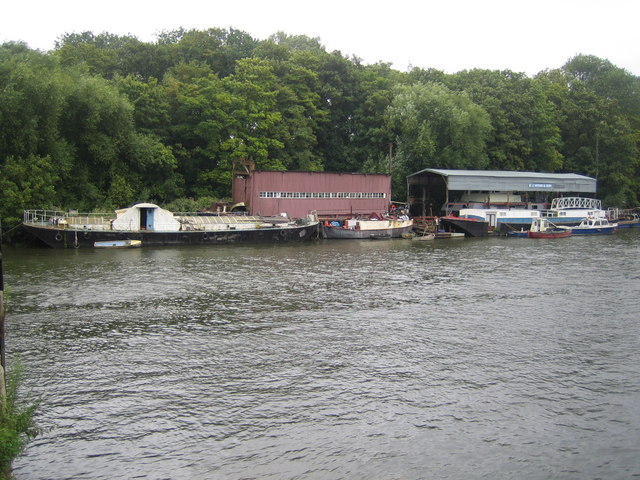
449 35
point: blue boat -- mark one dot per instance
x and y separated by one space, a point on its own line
522 233
593 226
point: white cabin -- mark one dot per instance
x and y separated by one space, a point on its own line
497 216
145 216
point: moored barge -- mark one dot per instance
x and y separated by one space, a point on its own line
155 226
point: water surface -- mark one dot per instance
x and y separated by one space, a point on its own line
386 359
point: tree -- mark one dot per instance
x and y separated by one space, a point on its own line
108 55
97 53
253 115
436 128
599 137
26 182
121 120
298 102
98 123
142 60
199 121
371 139
525 133
31 101
148 172
338 98
216 121
607 81
150 101
218 48
32 150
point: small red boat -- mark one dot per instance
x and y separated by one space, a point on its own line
551 234
542 228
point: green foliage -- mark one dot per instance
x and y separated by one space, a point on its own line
150 101
607 81
218 48
437 127
371 139
17 424
107 120
191 204
599 136
524 123
26 183
338 97
252 114
301 113
31 99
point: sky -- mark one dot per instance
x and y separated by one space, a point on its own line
448 35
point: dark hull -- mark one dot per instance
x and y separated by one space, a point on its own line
69 238
468 226
506 228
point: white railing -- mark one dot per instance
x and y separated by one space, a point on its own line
55 217
576 202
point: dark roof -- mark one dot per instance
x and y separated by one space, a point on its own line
503 180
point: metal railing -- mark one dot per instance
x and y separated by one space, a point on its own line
41 217
56 217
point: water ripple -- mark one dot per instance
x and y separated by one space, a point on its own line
486 358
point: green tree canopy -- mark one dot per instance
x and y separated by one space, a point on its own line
437 127
525 133
105 120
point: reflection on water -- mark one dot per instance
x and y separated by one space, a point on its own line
474 358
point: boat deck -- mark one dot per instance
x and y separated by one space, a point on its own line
103 221
194 219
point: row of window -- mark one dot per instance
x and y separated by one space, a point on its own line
322 195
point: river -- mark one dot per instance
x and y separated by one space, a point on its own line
490 358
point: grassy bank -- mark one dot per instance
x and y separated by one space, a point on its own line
17 425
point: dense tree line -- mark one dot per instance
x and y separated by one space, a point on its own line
103 121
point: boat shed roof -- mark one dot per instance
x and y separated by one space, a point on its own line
503 180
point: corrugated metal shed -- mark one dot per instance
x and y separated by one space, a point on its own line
429 189
507 181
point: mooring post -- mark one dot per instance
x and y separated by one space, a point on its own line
3 386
